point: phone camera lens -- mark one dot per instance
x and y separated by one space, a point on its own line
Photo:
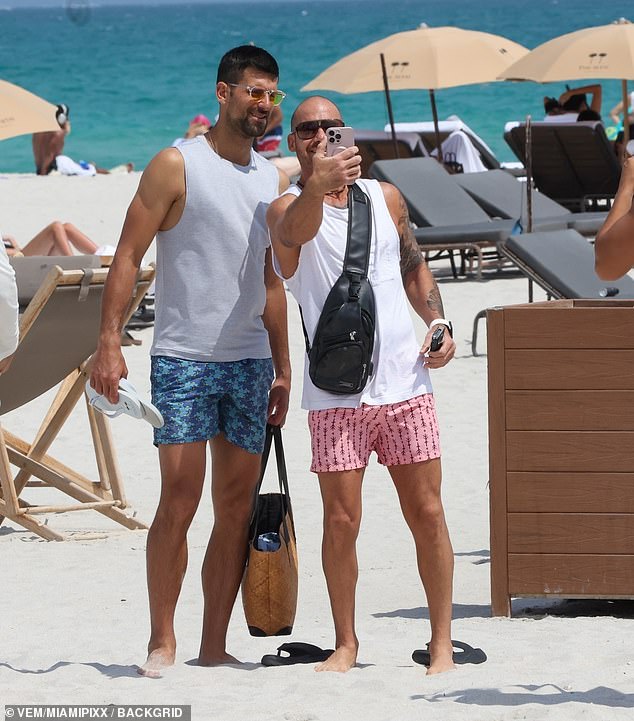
331 139
338 136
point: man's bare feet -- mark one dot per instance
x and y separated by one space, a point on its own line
157 661
342 660
223 659
441 659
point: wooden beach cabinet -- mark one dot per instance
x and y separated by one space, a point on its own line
561 450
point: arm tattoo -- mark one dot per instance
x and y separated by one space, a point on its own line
411 256
434 301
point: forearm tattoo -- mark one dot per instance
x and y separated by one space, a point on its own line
434 301
411 256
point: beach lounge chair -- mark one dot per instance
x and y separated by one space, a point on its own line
447 217
562 263
427 133
573 163
378 145
31 270
58 334
503 196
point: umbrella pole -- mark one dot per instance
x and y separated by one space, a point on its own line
388 100
626 120
529 176
434 113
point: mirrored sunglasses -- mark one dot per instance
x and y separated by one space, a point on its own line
256 94
308 129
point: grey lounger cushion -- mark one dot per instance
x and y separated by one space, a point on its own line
474 233
564 262
501 195
433 199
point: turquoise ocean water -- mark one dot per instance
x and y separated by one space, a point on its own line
133 76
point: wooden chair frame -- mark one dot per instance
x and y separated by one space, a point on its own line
38 469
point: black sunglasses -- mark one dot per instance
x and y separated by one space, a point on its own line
308 129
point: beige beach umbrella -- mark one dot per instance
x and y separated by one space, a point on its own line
601 52
23 112
422 59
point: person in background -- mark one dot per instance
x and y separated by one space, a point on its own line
619 150
575 99
220 361
613 246
47 146
56 239
588 115
48 153
9 329
552 108
617 112
571 102
198 125
268 145
395 413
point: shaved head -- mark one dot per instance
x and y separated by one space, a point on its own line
314 108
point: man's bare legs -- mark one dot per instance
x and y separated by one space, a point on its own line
341 496
235 473
418 487
182 477
58 239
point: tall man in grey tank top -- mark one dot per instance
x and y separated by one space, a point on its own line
394 415
220 316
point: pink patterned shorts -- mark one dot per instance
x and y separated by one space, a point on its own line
400 433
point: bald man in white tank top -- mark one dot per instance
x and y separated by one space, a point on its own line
394 415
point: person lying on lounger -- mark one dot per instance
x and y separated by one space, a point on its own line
56 239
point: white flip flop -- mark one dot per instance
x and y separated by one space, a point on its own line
129 403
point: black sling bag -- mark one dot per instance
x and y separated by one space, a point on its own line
340 358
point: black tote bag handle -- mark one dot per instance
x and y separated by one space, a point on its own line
272 433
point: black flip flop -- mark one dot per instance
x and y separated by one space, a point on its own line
466 654
298 652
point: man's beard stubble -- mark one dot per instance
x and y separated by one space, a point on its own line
250 127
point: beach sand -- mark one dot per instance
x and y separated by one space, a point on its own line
74 615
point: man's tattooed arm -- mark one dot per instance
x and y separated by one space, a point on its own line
412 260
411 257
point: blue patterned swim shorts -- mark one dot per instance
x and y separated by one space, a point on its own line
198 400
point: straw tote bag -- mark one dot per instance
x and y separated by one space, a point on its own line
269 584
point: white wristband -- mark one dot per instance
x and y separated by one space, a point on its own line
440 321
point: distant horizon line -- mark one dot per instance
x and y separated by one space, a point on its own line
37 4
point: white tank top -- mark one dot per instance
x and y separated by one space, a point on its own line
399 373
210 292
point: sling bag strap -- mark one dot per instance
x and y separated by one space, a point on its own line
359 233
357 257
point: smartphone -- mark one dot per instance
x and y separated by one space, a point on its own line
436 338
338 139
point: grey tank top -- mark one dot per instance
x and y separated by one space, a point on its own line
210 292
